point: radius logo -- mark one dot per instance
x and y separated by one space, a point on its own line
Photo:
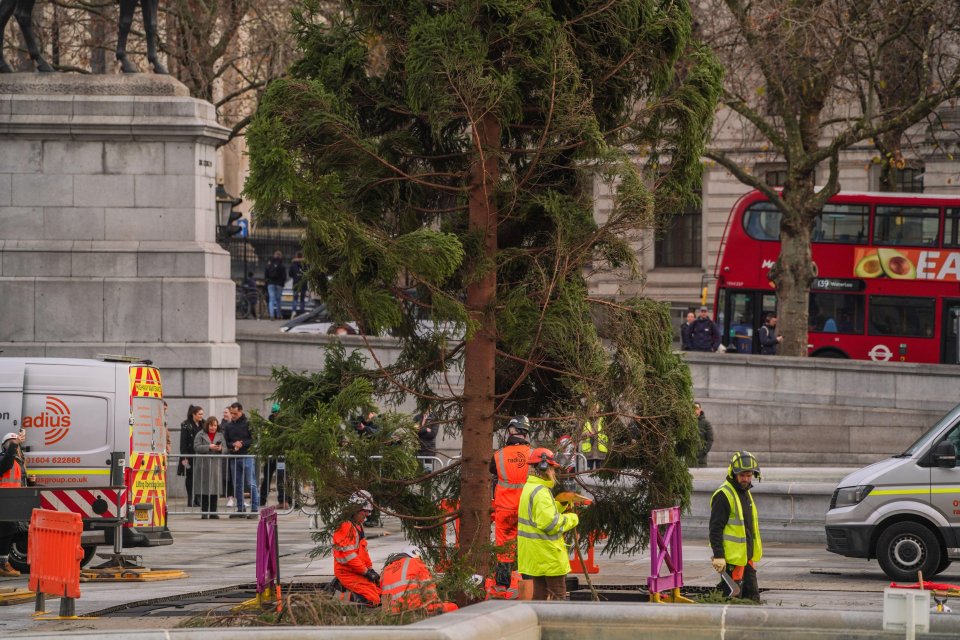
55 419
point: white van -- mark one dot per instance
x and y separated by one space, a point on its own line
92 424
903 511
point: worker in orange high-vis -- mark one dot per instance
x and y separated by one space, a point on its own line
12 476
408 584
352 566
509 465
500 592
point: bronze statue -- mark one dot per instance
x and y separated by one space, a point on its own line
23 11
149 11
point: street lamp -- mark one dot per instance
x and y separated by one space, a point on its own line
226 216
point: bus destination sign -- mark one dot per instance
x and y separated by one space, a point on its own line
838 284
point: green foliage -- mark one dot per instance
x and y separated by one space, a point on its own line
372 141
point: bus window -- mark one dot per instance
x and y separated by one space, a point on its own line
836 313
908 317
951 228
842 223
762 221
913 226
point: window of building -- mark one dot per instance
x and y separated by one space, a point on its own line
908 317
761 221
775 177
951 228
836 312
679 244
912 226
842 223
908 180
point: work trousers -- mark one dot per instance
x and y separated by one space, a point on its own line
548 587
749 588
505 533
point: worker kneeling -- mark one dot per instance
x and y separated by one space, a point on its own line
542 556
352 566
408 584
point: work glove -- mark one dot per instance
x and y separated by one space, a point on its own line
719 564
372 576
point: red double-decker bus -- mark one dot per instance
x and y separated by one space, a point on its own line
888 285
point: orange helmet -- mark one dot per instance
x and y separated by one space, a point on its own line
542 457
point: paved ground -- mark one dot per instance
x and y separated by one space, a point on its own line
220 553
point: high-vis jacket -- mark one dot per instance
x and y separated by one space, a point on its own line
735 532
407 585
351 561
12 478
541 550
512 470
499 592
586 446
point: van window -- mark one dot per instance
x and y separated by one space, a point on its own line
63 422
147 419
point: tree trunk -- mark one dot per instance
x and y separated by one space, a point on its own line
478 388
794 273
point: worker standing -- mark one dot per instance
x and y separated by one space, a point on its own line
542 556
12 476
509 465
593 440
408 584
735 528
352 566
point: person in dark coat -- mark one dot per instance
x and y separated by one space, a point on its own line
704 334
685 331
769 340
189 429
208 441
427 435
275 275
297 270
706 435
366 425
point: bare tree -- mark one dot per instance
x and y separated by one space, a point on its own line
808 79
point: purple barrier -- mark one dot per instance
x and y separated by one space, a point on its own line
666 548
268 556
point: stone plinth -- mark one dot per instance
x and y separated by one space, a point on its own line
107 229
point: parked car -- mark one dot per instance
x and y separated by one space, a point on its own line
904 511
316 320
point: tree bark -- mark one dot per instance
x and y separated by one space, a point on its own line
479 356
794 272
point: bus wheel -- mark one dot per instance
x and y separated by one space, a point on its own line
906 548
829 353
18 553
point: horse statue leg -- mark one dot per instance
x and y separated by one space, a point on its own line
150 27
127 7
24 16
6 12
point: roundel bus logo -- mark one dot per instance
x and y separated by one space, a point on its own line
880 353
55 419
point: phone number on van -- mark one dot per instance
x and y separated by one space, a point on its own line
54 460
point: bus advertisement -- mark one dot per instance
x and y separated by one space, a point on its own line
888 277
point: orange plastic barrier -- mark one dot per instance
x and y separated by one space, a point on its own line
588 562
54 554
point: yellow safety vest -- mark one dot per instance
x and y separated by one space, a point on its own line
735 531
541 550
585 446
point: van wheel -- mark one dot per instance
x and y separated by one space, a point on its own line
944 564
18 553
906 548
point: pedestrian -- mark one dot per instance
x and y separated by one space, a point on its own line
239 439
685 331
13 475
271 465
275 275
427 435
189 429
542 555
704 334
366 425
209 441
249 291
355 579
408 585
706 435
735 528
509 465
593 441
769 340
226 465
297 272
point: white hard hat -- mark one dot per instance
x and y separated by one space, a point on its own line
413 552
363 500
10 436
476 579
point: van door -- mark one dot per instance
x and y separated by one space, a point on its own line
147 478
945 491
68 439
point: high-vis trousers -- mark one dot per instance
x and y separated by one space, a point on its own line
505 533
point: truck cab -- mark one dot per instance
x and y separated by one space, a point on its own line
903 511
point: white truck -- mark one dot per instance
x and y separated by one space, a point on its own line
95 444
